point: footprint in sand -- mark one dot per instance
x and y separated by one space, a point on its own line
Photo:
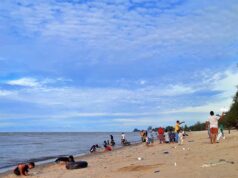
132 168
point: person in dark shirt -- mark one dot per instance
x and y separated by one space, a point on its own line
94 148
112 140
23 169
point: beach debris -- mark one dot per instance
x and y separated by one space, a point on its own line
157 171
175 164
183 148
139 158
221 161
166 152
191 141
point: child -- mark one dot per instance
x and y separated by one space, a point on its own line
180 137
166 136
22 169
172 137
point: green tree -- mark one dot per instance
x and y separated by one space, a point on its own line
231 117
198 126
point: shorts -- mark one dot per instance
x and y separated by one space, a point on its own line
214 130
108 148
161 137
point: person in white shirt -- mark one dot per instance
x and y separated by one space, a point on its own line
213 124
166 136
123 138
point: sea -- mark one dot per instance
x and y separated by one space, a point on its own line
19 147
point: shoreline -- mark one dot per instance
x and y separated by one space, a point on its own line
195 158
49 162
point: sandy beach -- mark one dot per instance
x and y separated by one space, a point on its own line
196 158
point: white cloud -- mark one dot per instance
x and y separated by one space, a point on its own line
226 83
26 82
5 93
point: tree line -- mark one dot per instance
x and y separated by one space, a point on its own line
230 120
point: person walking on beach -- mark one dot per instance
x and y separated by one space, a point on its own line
213 124
177 129
23 169
150 136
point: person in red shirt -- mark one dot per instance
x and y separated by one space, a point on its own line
161 134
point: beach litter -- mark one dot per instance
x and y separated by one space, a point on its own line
175 164
166 152
139 158
157 171
221 161
183 148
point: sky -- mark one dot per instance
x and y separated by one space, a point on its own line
115 65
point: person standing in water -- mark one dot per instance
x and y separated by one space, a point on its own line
112 140
123 138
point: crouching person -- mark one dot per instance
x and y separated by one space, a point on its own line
23 169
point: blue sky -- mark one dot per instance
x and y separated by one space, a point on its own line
103 65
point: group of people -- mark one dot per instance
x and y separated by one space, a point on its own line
215 130
109 144
164 135
22 169
215 133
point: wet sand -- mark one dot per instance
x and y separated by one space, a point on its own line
196 158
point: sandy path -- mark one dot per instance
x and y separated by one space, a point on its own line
197 158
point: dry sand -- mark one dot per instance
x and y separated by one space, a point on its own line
196 158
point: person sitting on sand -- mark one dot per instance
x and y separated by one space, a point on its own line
94 148
213 124
107 147
23 169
